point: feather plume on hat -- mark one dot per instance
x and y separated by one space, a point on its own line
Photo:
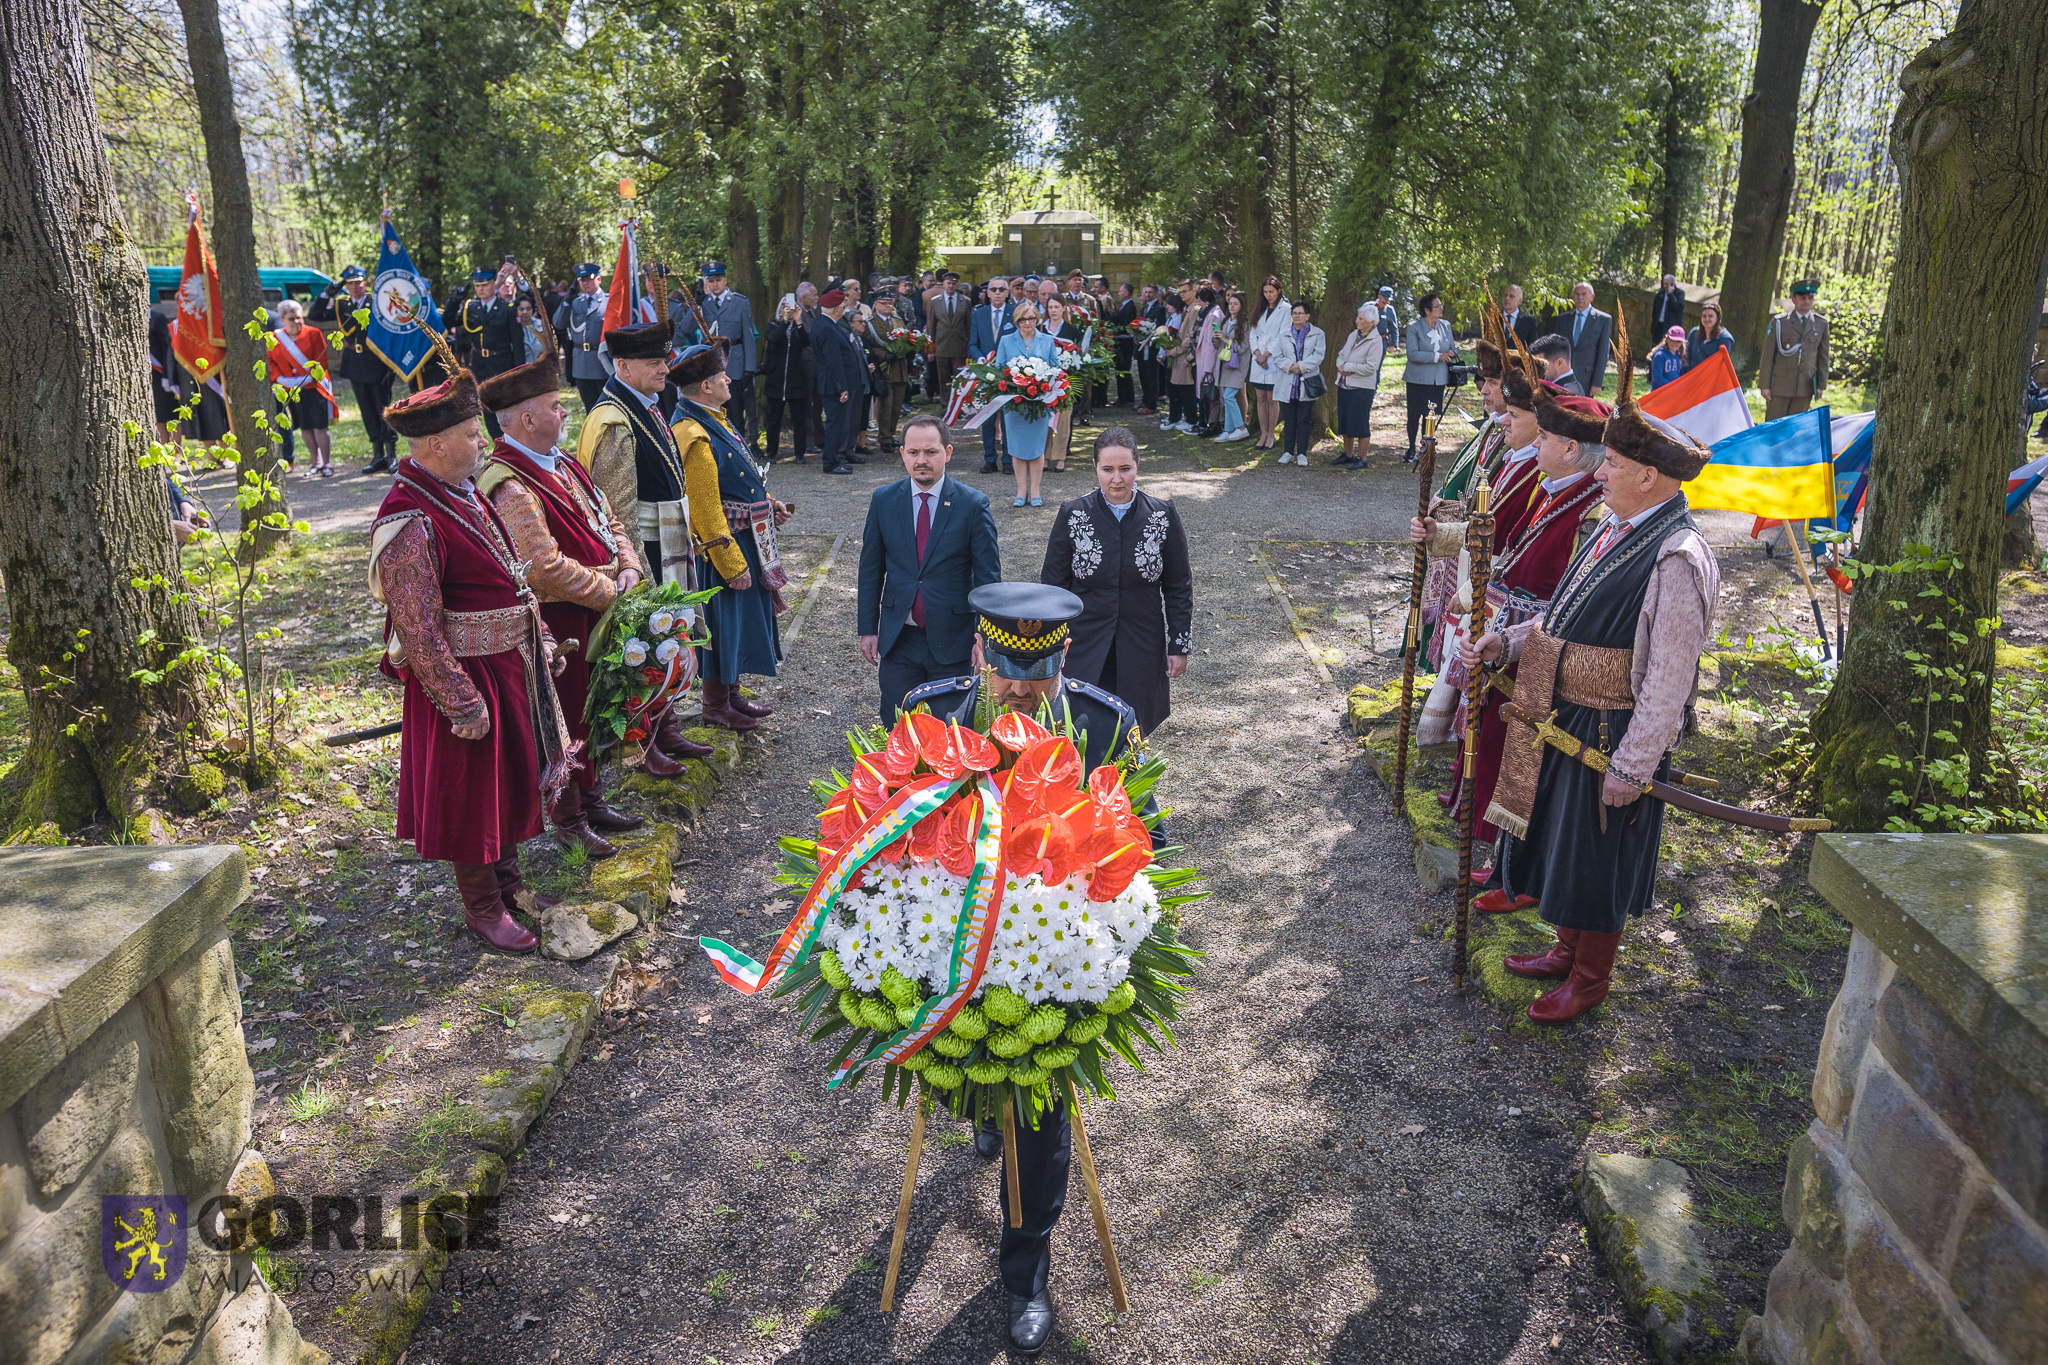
448 404
1636 435
1493 356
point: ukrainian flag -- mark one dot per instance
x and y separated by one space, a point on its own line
1783 469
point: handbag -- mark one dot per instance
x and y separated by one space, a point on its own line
1208 388
1312 386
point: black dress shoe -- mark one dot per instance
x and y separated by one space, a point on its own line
841 469
1030 1321
989 467
857 458
988 1142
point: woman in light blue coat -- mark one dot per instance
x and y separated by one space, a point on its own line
1026 435
1300 361
1431 352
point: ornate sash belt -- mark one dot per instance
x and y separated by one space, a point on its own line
757 519
472 634
1551 671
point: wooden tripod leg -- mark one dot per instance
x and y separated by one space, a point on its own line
1010 1162
1095 1205
903 1210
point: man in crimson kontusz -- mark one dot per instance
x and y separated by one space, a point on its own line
579 558
484 743
1020 649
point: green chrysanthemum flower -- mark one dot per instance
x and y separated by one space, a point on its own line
1053 1058
949 1046
1027 1075
917 1061
906 1013
877 1015
1045 1024
900 989
1120 999
1087 1030
970 1023
942 1077
986 1073
849 1005
829 967
1008 1043
1005 1006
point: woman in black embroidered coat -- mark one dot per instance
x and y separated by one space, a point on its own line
1136 627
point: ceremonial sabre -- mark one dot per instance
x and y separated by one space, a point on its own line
1425 474
362 736
1479 546
1562 740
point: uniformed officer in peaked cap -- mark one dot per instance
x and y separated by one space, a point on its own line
1020 645
468 323
580 319
364 369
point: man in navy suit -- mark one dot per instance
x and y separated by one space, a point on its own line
929 542
991 324
842 371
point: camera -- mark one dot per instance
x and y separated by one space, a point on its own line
1463 374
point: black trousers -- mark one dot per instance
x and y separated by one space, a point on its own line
1421 398
799 409
1148 383
589 390
1180 404
739 410
818 420
372 397
838 442
910 663
1124 349
1043 1158
1300 415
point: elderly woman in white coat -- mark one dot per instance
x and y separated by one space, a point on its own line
1301 369
1269 326
1358 380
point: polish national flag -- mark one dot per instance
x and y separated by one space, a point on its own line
627 305
1705 402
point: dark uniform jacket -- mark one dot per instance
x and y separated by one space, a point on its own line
842 363
1102 722
500 346
359 364
580 320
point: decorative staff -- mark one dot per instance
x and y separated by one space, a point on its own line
1479 546
1425 474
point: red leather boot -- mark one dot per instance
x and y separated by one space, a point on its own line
1592 972
747 706
513 890
718 708
672 741
572 830
655 763
1551 964
1498 902
483 909
605 817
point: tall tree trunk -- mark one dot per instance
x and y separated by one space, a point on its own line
1969 138
246 374
906 233
824 206
742 216
1765 178
1668 208
80 520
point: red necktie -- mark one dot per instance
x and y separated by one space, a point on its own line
924 538
1612 533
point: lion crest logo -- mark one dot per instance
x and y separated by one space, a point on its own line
142 1240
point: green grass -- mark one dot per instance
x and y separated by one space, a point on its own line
310 1101
719 1286
767 1325
818 1316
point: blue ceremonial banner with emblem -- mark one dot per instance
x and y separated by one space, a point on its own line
400 299
142 1240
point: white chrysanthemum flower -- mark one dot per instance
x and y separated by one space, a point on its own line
667 650
662 621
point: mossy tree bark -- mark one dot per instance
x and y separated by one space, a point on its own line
1764 178
80 521
233 228
1969 139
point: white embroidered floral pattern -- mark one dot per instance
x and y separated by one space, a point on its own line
1152 563
1087 549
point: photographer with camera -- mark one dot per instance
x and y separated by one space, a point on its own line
1431 351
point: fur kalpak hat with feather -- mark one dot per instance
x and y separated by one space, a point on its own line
1636 435
448 404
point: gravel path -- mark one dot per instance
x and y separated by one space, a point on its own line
1333 1167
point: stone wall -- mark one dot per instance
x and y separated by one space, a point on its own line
122 1073
1917 1197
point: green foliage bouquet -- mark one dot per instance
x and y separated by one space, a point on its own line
642 655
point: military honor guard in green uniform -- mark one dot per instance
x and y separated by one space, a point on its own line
1794 368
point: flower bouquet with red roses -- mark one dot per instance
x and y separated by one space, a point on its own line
1038 388
902 341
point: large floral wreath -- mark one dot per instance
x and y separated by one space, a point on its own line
981 917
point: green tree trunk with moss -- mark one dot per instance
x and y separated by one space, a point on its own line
1969 138
80 521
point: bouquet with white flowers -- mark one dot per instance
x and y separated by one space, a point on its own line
1039 387
642 656
981 916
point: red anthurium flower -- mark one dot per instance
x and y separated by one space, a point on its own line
976 753
1043 844
869 784
899 756
926 836
1050 770
1106 788
1113 874
893 853
934 742
1017 732
962 820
